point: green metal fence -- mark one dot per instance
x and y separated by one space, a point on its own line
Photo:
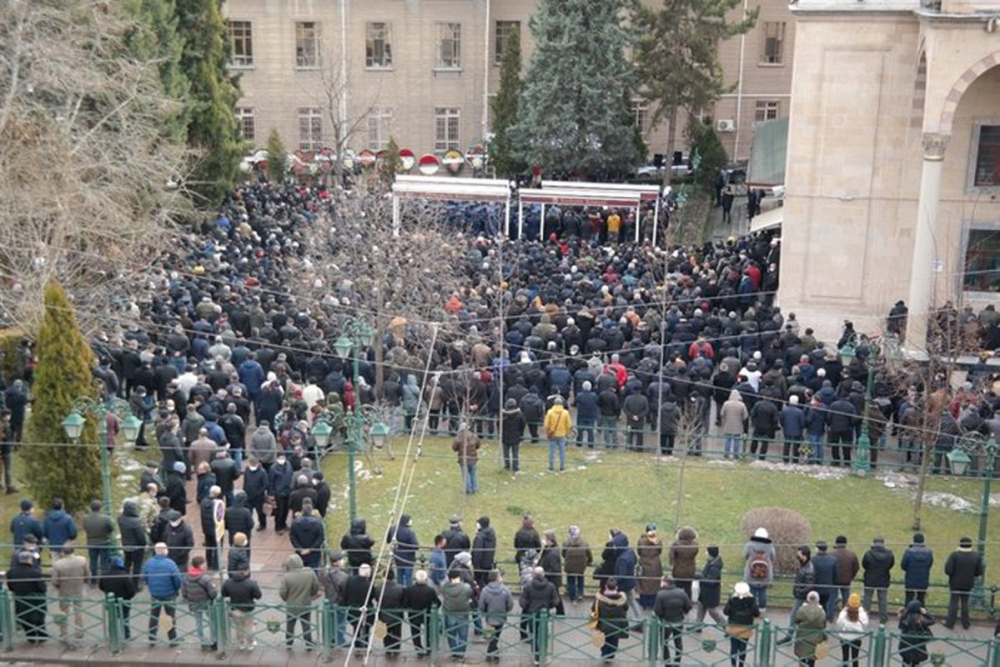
118 625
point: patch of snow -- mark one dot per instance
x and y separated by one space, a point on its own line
812 471
948 501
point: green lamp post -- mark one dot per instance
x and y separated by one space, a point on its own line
358 335
960 462
74 424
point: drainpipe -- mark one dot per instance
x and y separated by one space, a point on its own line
739 88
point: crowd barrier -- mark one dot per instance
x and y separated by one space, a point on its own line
117 625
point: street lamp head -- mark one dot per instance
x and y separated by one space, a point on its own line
959 461
73 425
380 434
321 430
366 335
130 427
343 347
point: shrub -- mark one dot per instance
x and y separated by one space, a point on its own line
63 374
788 531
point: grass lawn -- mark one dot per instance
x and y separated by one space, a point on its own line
618 489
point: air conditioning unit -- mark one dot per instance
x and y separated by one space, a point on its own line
725 125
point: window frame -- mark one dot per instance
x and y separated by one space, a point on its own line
299 64
385 62
314 129
640 115
967 233
383 117
244 61
441 35
781 31
767 106
244 114
448 115
498 50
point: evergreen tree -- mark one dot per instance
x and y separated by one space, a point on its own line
571 119
277 157
677 55
392 164
211 129
712 154
155 38
63 374
504 109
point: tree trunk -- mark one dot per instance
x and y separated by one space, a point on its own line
668 159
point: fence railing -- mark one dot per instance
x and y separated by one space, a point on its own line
438 636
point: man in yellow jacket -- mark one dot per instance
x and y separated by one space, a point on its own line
557 425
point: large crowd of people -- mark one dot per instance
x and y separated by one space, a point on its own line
582 332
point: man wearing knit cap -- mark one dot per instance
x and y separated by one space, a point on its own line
963 567
917 563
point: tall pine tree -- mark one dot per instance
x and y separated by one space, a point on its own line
155 38
63 374
571 117
211 129
504 109
677 55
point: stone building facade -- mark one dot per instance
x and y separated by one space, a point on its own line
424 70
893 172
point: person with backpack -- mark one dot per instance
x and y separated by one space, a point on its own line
758 572
198 590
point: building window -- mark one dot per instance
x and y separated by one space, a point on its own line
640 114
766 110
502 36
307 44
241 43
982 261
378 45
446 123
379 128
988 157
449 45
310 129
244 117
774 43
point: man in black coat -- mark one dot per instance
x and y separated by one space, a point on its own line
671 606
307 535
877 563
239 518
255 485
456 540
226 472
963 567
116 581
484 547
176 489
26 582
420 600
357 592
134 540
207 513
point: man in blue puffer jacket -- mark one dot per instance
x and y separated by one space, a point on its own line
163 579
